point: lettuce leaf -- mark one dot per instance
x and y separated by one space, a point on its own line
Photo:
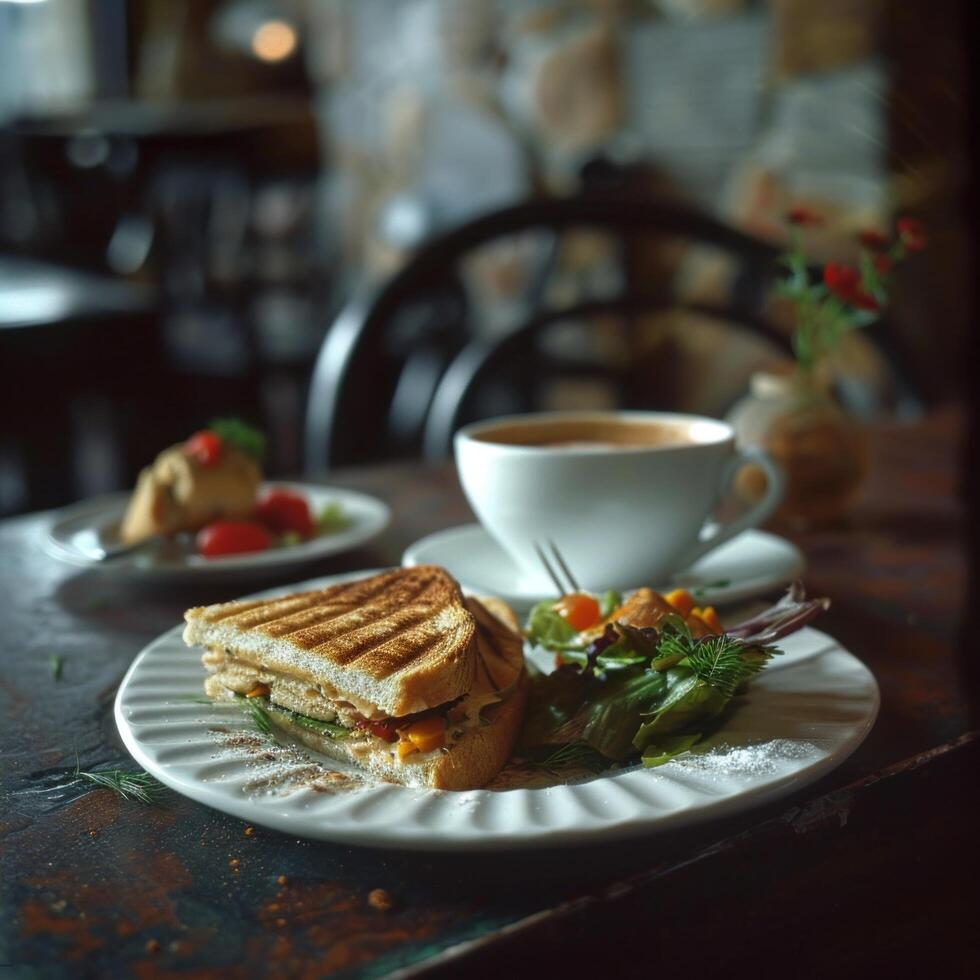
690 702
547 629
609 603
553 701
612 717
305 721
663 748
567 707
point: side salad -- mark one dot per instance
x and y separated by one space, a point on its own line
645 679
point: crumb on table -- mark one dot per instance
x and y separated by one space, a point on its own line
380 899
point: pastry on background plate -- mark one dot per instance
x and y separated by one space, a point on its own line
213 475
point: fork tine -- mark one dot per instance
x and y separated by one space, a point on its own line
547 567
561 561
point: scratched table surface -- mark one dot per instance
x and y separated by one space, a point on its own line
872 868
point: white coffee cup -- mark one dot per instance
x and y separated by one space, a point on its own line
627 497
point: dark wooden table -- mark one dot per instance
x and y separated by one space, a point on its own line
871 871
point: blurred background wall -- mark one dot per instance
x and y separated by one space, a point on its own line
191 191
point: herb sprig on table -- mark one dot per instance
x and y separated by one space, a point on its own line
138 786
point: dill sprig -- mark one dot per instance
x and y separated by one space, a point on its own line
724 662
259 715
675 643
138 786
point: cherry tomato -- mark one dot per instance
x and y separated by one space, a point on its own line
580 610
205 446
384 729
681 600
281 510
709 617
232 538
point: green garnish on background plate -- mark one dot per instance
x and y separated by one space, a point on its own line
241 436
331 518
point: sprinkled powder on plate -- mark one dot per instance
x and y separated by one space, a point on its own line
277 769
746 760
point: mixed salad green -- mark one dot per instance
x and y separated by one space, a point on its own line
632 693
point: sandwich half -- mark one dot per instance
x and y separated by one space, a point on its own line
398 673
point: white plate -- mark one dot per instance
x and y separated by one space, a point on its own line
753 563
803 716
99 516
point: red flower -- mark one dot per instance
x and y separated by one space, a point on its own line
803 216
873 240
841 278
912 233
844 282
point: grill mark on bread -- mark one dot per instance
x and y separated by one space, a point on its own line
249 614
317 626
320 605
387 659
253 615
400 625
361 638
355 615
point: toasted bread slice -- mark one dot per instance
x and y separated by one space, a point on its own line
402 641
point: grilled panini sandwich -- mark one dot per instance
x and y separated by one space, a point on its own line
397 673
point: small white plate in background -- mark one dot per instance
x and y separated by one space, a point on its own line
75 525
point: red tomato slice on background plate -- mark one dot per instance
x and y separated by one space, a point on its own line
283 510
232 538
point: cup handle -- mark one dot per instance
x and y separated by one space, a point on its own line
712 535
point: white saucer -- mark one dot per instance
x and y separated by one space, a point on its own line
751 564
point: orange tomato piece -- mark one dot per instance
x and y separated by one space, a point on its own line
404 749
428 733
681 600
260 690
579 610
710 617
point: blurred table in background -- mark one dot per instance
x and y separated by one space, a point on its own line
80 352
38 294
871 871
208 206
